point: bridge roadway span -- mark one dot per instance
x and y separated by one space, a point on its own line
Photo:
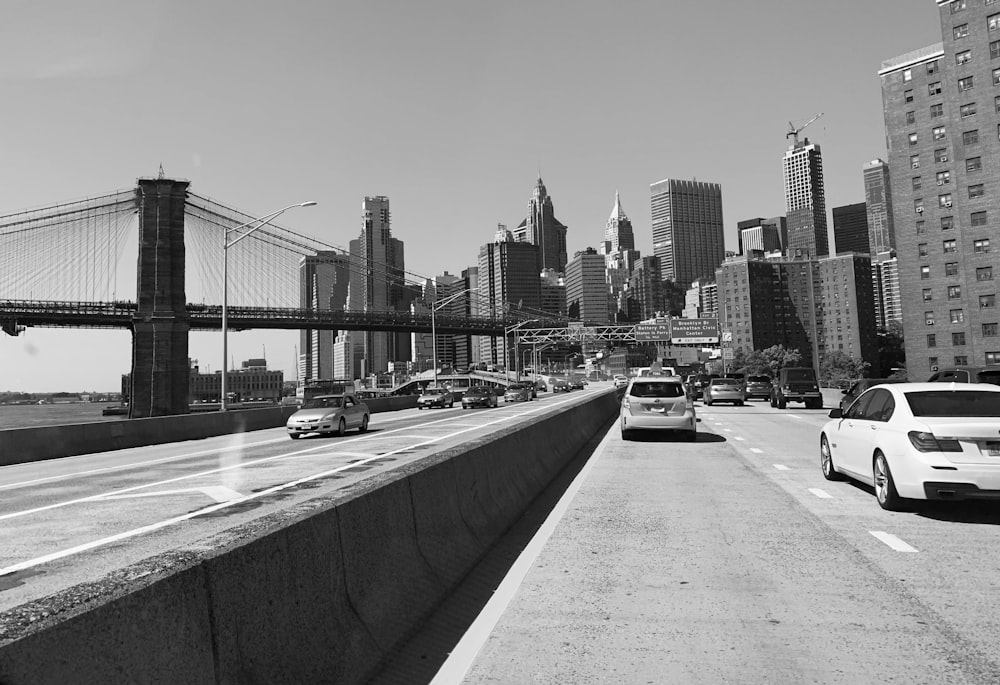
250 556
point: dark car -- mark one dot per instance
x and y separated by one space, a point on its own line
560 385
700 381
852 393
967 374
796 384
758 386
479 396
578 382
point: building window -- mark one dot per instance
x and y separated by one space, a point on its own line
925 272
916 183
918 205
911 117
931 340
958 338
988 301
976 190
954 292
996 103
922 249
984 273
928 318
965 83
994 49
936 111
993 22
957 6
963 57
944 200
948 246
967 110
914 161
912 138
960 31
951 269
996 77
957 315
907 74
938 133
928 294
932 363
981 245
908 95
970 138
934 88
978 219
973 164
992 358
941 154
990 330
961 360
947 223
943 177
920 228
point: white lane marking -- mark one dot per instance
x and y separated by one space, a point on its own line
212 508
178 457
461 658
892 541
756 451
794 416
822 494
781 467
728 430
736 437
219 493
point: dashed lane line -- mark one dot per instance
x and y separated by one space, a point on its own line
756 450
781 467
822 494
893 542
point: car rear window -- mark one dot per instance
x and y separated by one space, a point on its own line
989 377
665 389
725 381
974 403
322 403
759 379
800 375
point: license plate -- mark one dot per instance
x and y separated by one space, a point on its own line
658 410
992 448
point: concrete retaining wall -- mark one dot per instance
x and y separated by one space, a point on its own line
19 445
324 592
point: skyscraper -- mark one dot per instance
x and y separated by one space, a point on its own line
324 280
541 228
941 125
687 229
805 201
508 281
759 234
377 286
850 228
878 202
587 288
620 256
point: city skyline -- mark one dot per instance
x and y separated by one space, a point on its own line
436 119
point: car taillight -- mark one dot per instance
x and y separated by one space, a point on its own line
927 442
625 402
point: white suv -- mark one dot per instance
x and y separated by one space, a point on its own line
658 403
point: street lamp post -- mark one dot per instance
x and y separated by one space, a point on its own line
434 307
506 332
226 244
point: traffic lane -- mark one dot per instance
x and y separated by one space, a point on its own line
945 552
679 562
117 525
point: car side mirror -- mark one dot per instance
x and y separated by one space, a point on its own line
837 413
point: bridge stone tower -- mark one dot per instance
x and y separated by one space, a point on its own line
160 368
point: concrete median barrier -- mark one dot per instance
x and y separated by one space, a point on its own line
323 592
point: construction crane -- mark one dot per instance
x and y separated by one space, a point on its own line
794 132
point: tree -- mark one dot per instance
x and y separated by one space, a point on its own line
891 353
766 362
838 365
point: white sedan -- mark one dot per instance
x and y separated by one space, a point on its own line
326 414
918 441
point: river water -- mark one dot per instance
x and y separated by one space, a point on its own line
28 415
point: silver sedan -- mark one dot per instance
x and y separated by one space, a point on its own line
326 414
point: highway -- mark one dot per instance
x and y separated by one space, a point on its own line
72 520
732 560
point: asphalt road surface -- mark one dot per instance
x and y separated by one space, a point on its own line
731 560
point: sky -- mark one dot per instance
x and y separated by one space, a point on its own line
451 108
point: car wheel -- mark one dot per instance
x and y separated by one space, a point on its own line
885 487
341 427
294 436
773 403
708 403
363 428
451 404
740 403
826 461
782 403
